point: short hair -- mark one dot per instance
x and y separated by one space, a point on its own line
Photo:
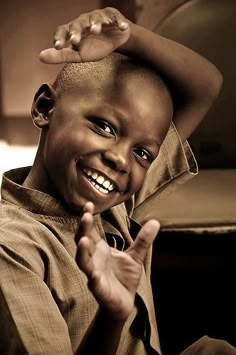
115 64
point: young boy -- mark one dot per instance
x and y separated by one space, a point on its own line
72 278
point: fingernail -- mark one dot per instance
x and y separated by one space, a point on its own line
124 25
57 43
93 26
72 36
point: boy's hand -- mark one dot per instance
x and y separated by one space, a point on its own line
90 37
113 276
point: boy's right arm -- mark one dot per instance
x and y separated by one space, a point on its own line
194 81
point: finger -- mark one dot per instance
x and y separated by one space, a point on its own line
86 224
77 27
86 227
64 55
121 22
96 22
144 240
82 23
61 36
117 18
75 32
89 207
84 255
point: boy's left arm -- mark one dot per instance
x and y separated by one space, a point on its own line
113 278
194 81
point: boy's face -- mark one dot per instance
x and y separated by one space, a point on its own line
101 141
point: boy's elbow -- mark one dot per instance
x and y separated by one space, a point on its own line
215 85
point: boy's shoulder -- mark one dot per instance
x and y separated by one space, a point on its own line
175 164
25 227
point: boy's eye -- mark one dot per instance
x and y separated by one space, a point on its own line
143 154
103 126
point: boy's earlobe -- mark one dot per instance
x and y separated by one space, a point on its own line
43 105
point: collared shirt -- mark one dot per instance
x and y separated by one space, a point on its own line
45 305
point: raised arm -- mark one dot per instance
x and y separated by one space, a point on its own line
194 81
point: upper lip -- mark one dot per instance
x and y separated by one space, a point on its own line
107 176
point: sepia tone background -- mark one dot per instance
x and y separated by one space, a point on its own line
194 255
207 26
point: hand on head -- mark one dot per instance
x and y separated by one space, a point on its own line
90 37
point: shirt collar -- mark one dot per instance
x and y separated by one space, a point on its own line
38 202
32 200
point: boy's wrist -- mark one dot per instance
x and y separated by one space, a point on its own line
128 48
140 42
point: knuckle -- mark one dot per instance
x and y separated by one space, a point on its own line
111 10
95 13
114 14
143 243
75 24
60 31
83 18
96 17
61 28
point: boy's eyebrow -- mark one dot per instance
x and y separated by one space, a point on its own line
153 140
116 113
111 110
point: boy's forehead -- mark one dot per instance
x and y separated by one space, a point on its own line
109 81
139 90
96 75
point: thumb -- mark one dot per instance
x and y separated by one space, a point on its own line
144 239
57 56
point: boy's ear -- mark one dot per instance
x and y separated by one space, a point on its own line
43 105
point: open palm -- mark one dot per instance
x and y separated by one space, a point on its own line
113 276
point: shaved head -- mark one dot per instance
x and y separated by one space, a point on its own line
103 72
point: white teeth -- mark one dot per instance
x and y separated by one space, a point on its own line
103 190
99 188
94 175
106 184
100 180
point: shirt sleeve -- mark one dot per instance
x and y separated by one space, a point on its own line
174 165
30 321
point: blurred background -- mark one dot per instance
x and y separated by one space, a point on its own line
194 256
27 27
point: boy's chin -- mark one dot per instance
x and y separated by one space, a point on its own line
77 208
77 202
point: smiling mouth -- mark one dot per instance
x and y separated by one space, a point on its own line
100 182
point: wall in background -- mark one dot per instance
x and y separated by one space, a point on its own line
27 27
209 28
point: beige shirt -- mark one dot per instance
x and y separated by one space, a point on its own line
45 305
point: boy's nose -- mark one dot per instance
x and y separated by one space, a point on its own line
117 158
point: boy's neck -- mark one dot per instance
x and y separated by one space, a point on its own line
38 178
